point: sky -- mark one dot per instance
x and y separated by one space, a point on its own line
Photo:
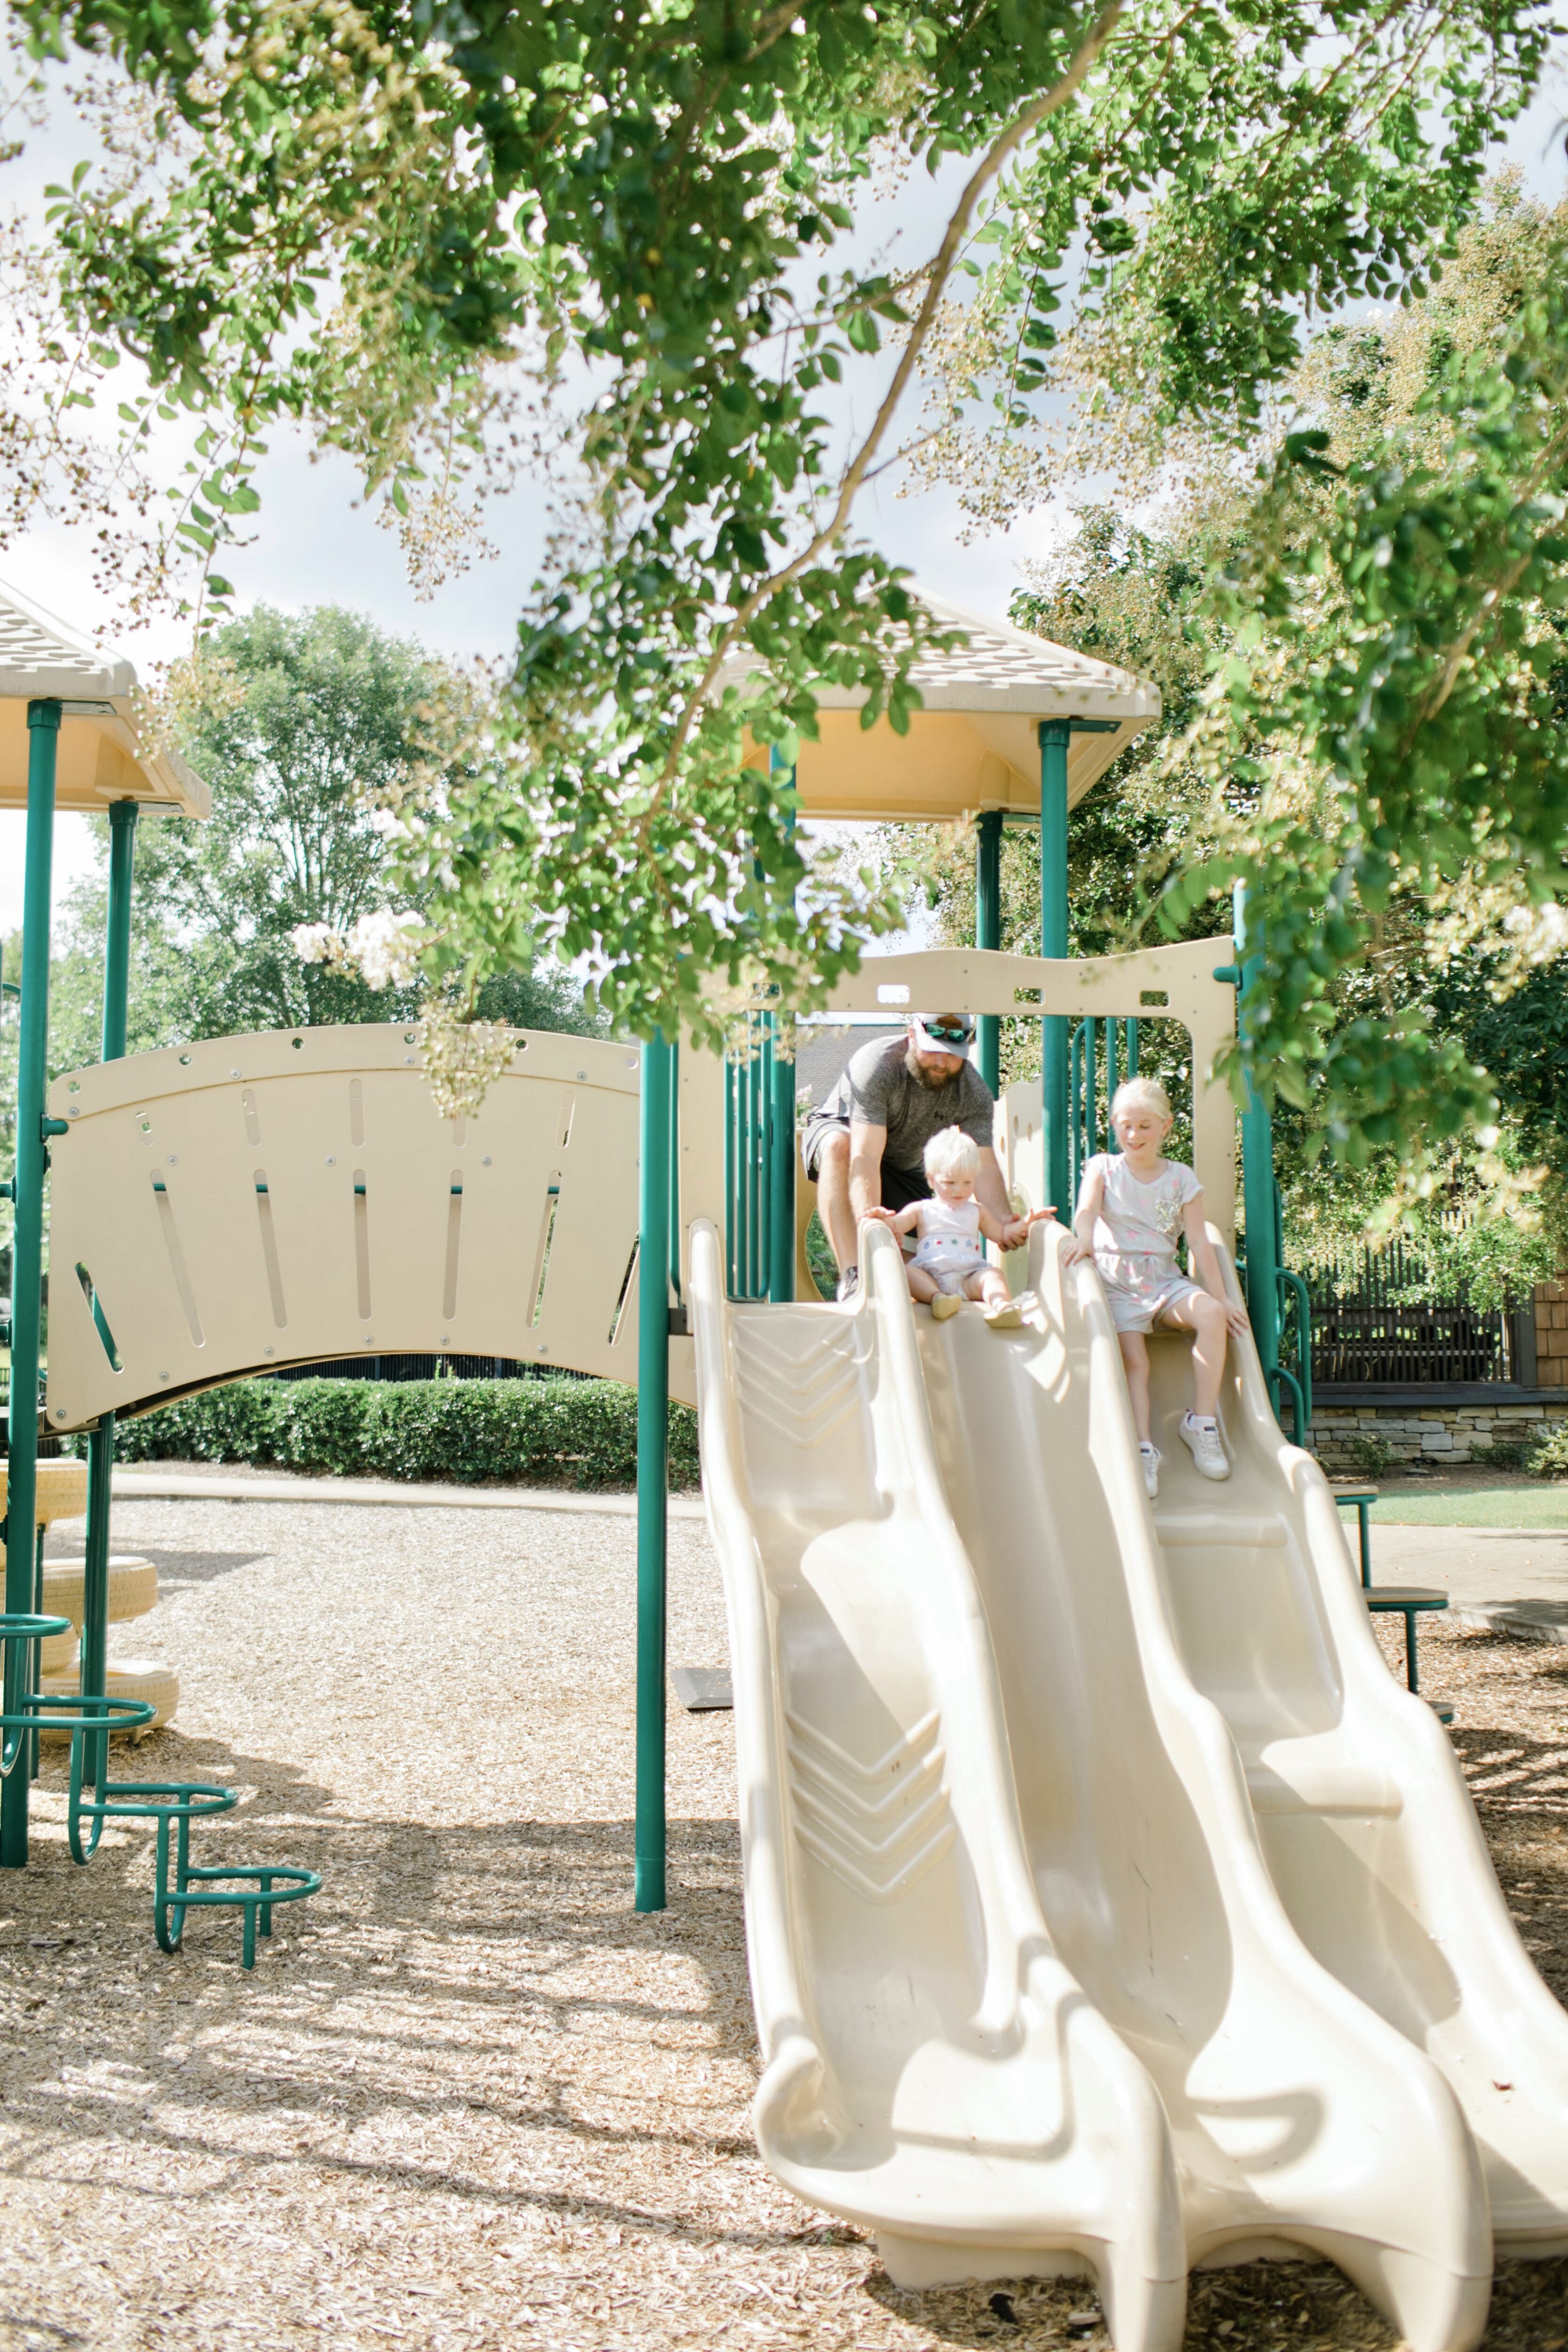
317 543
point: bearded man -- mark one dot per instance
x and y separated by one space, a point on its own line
865 1148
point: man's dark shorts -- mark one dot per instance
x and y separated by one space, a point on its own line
900 1185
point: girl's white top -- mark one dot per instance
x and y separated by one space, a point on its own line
1139 1221
948 1229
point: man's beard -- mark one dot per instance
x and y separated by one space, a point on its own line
934 1081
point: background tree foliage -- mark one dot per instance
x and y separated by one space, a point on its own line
363 221
301 724
1418 935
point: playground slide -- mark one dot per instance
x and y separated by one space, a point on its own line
1045 1797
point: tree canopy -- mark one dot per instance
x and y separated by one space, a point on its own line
1406 867
302 725
379 224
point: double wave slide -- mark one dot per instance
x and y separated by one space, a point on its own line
1110 1908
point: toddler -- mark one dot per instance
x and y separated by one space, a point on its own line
949 1265
1132 1205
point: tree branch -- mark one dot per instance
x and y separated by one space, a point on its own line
1007 144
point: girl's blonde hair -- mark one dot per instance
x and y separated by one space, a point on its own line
951 1153
1141 1094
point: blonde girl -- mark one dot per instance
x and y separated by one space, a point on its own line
1131 1207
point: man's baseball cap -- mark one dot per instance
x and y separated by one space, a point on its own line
943 1033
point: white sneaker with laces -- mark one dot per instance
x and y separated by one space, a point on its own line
1202 1440
1149 1457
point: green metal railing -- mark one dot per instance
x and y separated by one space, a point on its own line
759 1166
1104 1052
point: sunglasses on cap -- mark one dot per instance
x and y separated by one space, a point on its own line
957 1032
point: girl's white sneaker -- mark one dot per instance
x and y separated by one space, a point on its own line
1202 1440
1149 1457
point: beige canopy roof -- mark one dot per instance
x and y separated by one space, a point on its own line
973 744
101 754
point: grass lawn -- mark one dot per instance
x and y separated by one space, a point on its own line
1456 1506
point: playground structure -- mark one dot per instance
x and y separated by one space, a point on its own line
1109 1907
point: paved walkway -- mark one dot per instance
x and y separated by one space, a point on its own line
194 1483
1471 1564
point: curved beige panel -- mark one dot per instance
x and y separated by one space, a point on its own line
248 1202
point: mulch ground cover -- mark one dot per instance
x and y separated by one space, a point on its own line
467 2098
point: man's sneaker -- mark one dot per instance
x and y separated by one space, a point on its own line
848 1284
1202 1440
1149 1457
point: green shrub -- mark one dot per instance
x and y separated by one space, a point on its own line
581 1434
1549 1455
1373 1456
1509 1452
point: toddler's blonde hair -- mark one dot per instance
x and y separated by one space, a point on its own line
1141 1094
951 1153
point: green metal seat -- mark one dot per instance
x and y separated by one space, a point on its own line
175 1805
25 1710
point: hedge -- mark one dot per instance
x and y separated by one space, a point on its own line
581 1434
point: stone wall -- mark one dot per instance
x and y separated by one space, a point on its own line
1440 1436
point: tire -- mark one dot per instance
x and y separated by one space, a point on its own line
148 1679
57 1655
141 1678
132 1587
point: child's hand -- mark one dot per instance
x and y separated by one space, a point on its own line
1236 1322
1076 1251
882 1216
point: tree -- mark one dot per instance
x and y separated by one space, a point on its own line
1367 677
655 204
302 726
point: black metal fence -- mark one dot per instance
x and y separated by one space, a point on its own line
1375 1321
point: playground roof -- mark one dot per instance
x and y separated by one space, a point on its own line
973 744
102 757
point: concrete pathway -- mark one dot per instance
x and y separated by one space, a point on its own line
1471 1564
192 1484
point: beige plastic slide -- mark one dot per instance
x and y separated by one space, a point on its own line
1109 1905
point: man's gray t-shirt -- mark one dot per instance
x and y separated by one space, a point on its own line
876 1085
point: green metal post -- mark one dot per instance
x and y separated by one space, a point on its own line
780 1112
1056 737
988 933
653 1465
1257 1179
100 1441
27 1242
781 1184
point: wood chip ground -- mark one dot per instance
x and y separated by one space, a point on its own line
467 2098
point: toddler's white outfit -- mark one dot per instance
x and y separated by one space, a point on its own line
949 1247
1135 1239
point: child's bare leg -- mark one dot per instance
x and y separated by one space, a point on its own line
1204 1318
989 1285
1135 1364
921 1284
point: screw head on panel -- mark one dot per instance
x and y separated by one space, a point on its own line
486 1162
332 1161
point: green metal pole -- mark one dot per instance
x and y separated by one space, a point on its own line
780 1113
27 1242
100 1441
1056 737
781 1188
988 933
1258 1193
653 1466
